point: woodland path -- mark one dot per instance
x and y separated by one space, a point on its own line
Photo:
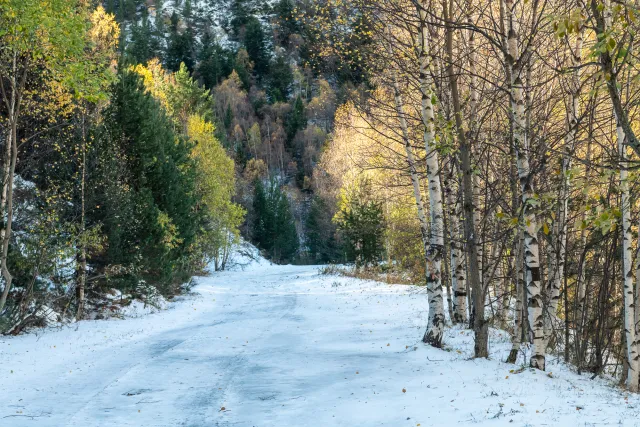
285 346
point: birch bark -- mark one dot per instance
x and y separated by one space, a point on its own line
458 273
435 329
627 270
529 201
561 223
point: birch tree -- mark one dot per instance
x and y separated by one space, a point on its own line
38 37
515 61
435 329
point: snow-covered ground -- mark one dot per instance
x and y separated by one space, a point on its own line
285 346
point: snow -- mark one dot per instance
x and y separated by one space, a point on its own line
286 346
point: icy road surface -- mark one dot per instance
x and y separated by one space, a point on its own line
284 346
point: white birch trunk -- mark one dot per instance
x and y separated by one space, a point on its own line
627 269
531 246
458 271
435 329
561 224
413 171
516 338
473 118
503 293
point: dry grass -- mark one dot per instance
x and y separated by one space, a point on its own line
378 273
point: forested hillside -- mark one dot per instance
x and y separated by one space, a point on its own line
145 139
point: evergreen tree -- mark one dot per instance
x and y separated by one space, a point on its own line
296 120
280 79
144 43
361 221
215 62
159 35
181 46
186 97
321 232
147 184
255 42
239 16
274 228
243 66
228 117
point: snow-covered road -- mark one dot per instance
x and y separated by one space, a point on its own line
285 346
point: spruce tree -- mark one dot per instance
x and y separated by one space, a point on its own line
296 120
147 182
215 62
240 14
280 79
181 46
144 44
321 232
255 42
362 223
274 227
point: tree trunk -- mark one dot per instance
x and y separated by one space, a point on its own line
472 125
10 157
415 180
458 273
82 268
435 329
480 325
518 267
529 199
561 223
627 269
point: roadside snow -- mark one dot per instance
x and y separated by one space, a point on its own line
285 346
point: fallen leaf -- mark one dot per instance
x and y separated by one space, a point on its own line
507 377
223 409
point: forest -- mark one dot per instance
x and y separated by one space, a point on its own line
485 151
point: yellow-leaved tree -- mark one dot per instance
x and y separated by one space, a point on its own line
216 184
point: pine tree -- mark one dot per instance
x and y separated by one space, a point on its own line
147 183
280 79
215 62
361 221
181 46
296 120
243 66
255 42
274 228
321 232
